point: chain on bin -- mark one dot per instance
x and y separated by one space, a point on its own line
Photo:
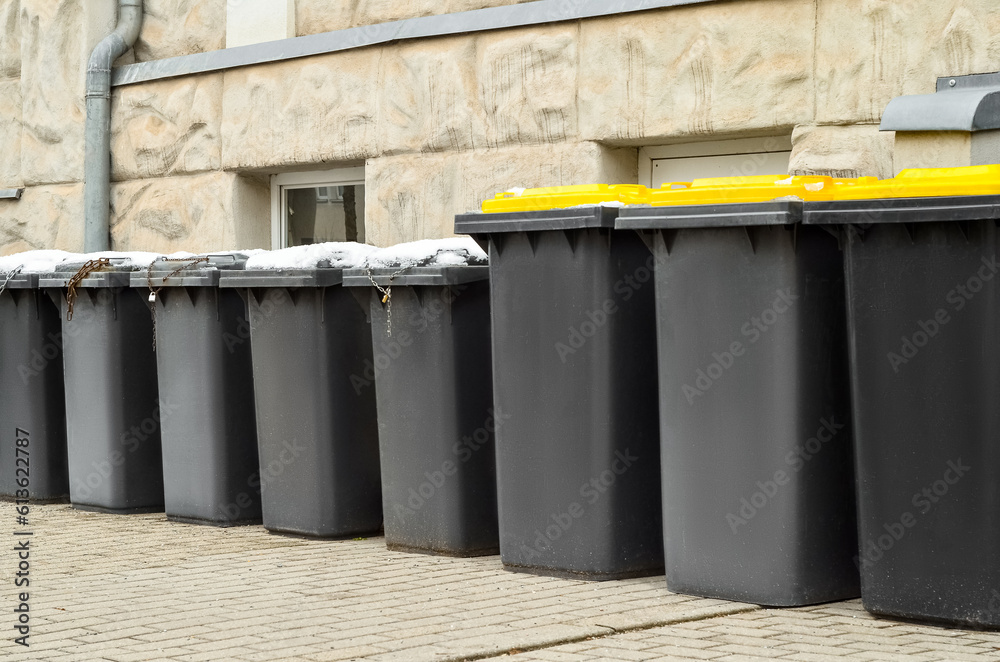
155 291
10 275
386 296
386 291
87 269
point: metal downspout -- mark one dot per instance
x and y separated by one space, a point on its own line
97 156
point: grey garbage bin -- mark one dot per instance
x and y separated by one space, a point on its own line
758 483
923 297
432 378
113 416
205 379
317 436
32 404
574 355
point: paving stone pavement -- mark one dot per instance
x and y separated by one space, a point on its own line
131 588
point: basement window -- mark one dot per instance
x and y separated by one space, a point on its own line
316 207
744 157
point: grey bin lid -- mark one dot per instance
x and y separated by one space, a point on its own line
20 282
117 274
321 276
199 274
902 210
427 276
572 218
644 217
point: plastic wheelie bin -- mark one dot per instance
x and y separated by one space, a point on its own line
430 312
317 434
113 416
574 349
32 404
758 490
923 295
205 378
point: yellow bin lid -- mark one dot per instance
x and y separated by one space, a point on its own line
557 197
924 183
729 190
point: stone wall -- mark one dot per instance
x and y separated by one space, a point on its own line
443 123
182 27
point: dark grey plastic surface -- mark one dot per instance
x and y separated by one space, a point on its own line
573 218
434 385
291 278
578 458
113 417
32 401
923 302
758 491
204 364
902 210
428 276
317 435
644 217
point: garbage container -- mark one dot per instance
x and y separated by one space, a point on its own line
317 435
32 405
112 411
433 383
574 345
205 378
758 490
921 265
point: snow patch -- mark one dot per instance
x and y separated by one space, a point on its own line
457 251
342 255
34 262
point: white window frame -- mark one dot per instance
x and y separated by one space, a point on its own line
286 181
734 147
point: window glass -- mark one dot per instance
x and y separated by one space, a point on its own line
324 213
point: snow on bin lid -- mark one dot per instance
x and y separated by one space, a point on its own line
924 183
334 254
730 190
558 197
457 251
34 262
190 270
200 261
120 261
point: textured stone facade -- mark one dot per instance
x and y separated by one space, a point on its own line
167 127
726 68
858 150
443 123
10 132
414 196
10 39
313 16
44 217
197 213
180 27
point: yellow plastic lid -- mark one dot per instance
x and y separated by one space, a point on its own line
557 197
726 190
924 183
